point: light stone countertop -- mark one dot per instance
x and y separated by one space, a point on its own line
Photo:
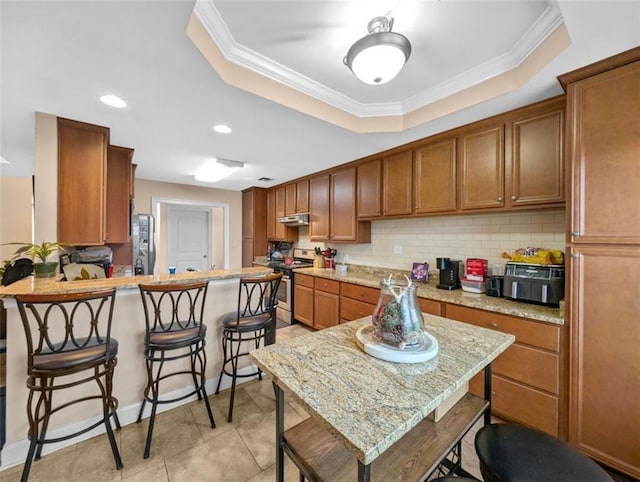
372 277
367 403
31 285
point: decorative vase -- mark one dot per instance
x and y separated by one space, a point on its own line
45 270
397 319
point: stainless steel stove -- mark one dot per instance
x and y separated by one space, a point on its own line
302 258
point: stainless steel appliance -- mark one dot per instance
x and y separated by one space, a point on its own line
302 258
143 240
534 283
495 285
295 220
449 273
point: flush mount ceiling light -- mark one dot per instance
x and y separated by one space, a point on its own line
222 129
113 101
218 169
379 56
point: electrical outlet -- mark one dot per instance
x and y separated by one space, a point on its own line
397 249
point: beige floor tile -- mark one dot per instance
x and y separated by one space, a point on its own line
174 431
224 458
262 394
259 435
221 400
157 472
242 413
269 474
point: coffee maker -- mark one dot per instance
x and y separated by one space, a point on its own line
449 273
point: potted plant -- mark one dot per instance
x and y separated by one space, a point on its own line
39 254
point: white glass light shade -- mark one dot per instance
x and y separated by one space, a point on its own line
218 169
113 101
378 57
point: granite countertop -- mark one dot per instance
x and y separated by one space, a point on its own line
31 285
368 403
372 277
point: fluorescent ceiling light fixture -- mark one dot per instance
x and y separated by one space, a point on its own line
222 129
218 169
113 101
379 56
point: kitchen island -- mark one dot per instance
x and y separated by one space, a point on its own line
128 328
369 415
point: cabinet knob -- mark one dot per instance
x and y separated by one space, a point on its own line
493 392
500 198
494 324
513 198
575 233
575 255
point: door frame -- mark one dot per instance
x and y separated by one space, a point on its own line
157 202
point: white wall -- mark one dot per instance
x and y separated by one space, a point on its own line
458 237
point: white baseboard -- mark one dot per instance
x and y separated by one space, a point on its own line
15 453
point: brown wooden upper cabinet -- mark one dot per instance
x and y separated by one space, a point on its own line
481 166
118 193
369 189
332 205
276 231
434 177
296 197
82 191
254 226
396 184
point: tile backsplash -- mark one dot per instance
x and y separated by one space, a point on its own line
397 243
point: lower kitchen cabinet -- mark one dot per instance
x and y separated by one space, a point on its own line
326 303
357 301
303 298
430 306
529 379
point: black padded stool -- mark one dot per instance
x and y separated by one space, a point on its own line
253 322
69 343
174 330
511 453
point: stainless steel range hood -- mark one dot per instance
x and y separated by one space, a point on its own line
295 220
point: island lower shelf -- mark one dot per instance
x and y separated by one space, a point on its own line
320 456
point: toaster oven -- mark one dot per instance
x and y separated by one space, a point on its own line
533 283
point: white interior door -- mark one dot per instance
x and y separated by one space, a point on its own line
189 238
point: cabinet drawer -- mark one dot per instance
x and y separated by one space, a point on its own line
303 280
351 309
522 404
327 285
430 306
534 367
528 332
362 293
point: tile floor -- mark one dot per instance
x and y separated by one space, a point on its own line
185 448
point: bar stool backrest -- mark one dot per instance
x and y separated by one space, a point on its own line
60 323
257 296
176 306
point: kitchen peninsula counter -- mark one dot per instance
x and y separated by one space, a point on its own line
367 404
371 277
128 328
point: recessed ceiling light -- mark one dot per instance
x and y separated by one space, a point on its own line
3 160
113 101
222 129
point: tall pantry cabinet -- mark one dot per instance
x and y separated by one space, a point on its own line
603 245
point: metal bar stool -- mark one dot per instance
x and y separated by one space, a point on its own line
174 330
511 452
68 335
255 320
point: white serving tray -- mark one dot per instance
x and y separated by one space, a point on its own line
372 346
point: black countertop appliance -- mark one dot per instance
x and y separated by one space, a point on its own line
450 270
534 283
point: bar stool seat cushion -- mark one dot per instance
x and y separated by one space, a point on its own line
246 323
510 452
76 358
177 337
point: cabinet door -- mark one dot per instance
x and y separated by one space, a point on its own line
303 305
604 314
281 229
319 208
118 187
537 167
271 214
605 149
343 205
82 160
482 169
396 184
434 178
290 193
369 188
326 309
247 252
247 214
302 196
